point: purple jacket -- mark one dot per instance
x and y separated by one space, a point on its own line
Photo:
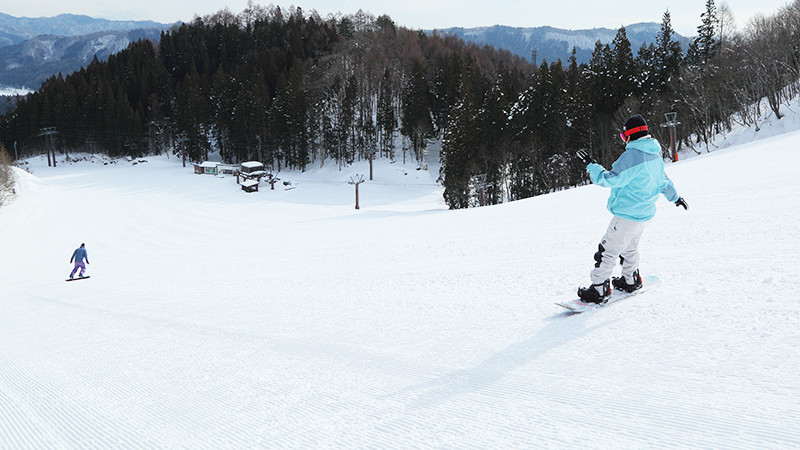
79 255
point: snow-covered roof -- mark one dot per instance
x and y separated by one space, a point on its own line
252 164
208 164
249 183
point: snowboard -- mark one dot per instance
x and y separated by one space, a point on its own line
576 306
78 278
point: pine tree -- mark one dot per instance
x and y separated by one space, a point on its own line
445 88
622 67
699 89
193 115
386 120
493 120
704 47
384 22
347 118
296 118
522 151
554 121
667 57
417 124
601 95
458 143
646 71
223 98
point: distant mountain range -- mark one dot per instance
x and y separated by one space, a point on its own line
552 44
32 50
30 62
14 30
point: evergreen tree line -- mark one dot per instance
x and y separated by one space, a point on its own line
269 84
291 89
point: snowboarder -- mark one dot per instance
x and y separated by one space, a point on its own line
78 256
636 178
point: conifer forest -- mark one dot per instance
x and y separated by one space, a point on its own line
292 89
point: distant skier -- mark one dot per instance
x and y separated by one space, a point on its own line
635 179
78 256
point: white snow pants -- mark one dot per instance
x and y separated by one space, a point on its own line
620 241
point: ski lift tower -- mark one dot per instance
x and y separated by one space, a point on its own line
356 180
672 123
48 143
480 185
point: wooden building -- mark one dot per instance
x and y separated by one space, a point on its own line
207 167
253 169
250 185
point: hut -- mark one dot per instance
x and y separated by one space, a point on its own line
253 169
207 167
228 169
250 185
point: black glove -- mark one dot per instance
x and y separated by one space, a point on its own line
584 156
682 202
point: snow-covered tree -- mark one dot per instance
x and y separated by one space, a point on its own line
704 47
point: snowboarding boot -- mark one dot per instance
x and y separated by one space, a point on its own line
622 284
596 293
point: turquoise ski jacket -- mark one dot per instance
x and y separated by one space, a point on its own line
635 179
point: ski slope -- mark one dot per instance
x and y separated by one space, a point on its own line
216 318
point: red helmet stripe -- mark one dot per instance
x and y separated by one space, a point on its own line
634 130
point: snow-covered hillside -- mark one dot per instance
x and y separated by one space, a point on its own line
216 318
34 60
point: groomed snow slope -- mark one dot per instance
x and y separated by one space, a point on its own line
220 319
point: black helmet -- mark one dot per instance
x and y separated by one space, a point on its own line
635 127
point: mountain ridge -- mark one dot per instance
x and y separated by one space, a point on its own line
30 62
14 30
63 42
552 44
34 49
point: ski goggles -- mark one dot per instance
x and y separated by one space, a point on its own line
626 133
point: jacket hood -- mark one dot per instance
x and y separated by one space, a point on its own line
646 145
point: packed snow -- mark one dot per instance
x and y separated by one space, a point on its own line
216 318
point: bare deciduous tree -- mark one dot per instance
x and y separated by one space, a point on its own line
7 178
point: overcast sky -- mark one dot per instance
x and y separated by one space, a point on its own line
425 14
